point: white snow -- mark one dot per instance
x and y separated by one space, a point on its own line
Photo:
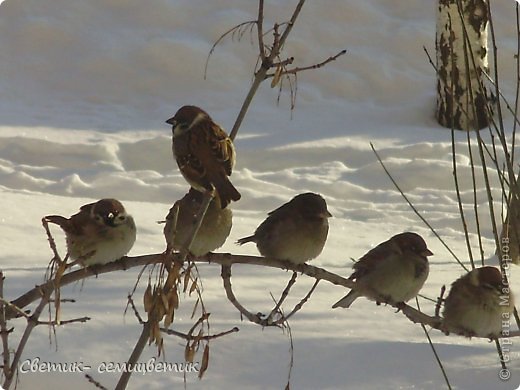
86 88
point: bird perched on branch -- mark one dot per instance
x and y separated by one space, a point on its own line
478 303
204 153
100 233
392 272
213 231
295 231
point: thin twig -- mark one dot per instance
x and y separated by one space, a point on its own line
221 38
259 28
459 199
304 68
283 297
439 362
31 324
64 322
414 209
95 382
4 332
301 303
205 338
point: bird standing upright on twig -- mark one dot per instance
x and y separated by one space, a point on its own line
204 153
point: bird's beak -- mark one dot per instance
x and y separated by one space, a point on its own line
326 214
171 121
110 219
427 253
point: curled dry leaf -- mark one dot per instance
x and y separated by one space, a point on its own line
164 302
277 76
148 299
193 286
205 361
173 276
189 352
174 299
187 278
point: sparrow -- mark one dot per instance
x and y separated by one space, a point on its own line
204 153
100 233
295 231
477 304
213 232
392 272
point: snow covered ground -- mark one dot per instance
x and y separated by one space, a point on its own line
86 88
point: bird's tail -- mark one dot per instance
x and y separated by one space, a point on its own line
62 222
245 240
226 191
347 300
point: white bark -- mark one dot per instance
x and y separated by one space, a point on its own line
462 101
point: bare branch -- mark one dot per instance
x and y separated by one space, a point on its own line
221 38
415 210
260 28
283 297
4 332
302 302
31 324
310 67
65 322
226 278
189 337
95 382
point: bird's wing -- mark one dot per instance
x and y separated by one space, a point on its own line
222 148
368 262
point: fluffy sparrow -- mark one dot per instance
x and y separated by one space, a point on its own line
204 153
100 233
213 232
295 231
392 272
477 304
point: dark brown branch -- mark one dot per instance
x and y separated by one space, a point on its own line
265 66
260 28
4 331
301 303
95 382
226 278
31 324
72 321
283 297
226 260
205 338
310 67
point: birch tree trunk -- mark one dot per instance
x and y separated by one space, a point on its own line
462 56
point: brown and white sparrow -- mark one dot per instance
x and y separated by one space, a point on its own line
295 231
204 153
213 231
392 272
477 304
100 233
